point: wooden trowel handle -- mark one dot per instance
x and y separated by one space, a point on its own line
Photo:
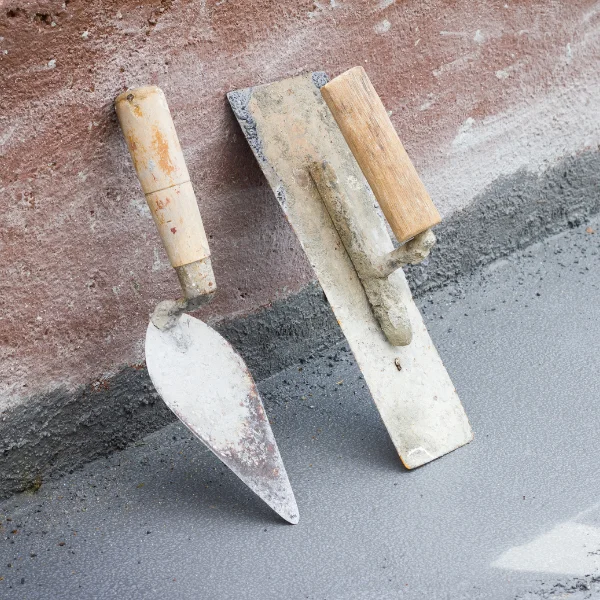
369 133
152 140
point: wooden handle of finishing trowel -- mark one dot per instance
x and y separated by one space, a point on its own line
369 133
152 140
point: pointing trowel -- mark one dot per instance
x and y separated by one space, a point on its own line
197 373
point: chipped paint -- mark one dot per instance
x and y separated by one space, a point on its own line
479 37
455 65
382 27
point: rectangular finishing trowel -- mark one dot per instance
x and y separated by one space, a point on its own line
330 153
196 372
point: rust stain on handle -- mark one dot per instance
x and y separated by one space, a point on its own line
161 147
158 159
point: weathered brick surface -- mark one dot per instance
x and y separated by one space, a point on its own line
477 90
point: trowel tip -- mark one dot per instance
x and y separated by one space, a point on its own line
293 516
282 501
290 513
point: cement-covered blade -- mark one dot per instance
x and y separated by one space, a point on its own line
207 385
288 127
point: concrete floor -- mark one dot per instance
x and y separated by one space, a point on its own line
516 514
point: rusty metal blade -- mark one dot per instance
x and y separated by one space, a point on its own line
203 380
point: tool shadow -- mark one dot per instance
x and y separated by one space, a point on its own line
323 410
192 480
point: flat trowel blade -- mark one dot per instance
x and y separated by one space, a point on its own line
289 127
203 380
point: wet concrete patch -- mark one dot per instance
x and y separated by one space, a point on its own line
513 213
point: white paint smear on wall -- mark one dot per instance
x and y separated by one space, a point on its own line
532 136
382 26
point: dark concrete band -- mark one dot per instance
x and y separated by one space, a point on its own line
60 431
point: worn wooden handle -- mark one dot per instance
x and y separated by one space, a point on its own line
367 128
150 134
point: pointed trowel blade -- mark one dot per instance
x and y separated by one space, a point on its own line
207 385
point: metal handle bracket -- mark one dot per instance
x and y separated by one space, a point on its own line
371 250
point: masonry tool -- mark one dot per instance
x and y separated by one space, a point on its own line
334 161
197 373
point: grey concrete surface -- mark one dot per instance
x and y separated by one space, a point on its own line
514 515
